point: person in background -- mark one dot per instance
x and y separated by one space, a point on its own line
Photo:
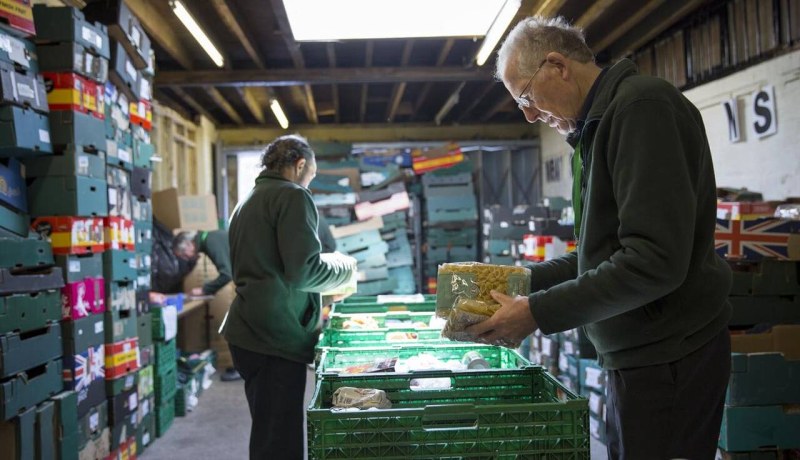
645 281
273 324
188 246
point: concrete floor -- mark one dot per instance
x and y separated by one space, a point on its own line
219 428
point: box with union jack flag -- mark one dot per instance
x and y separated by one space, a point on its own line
85 373
758 239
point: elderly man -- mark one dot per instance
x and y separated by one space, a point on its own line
645 281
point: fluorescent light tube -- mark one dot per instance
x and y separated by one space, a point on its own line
197 32
278 112
499 26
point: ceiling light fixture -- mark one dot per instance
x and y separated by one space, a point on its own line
278 112
496 31
326 20
188 21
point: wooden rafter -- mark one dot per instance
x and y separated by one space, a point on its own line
502 104
629 23
548 8
476 100
150 13
334 88
448 45
228 15
320 76
362 112
191 102
662 17
306 93
252 104
166 100
399 88
220 100
593 13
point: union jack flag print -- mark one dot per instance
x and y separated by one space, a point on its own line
84 368
754 239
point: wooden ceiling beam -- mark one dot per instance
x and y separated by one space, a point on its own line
502 104
661 18
224 105
385 132
228 16
319 76
362 110
443 53
252 104
191 102
150 14
477 100
548 8
593 13
399 88
629 23
334 89
164 99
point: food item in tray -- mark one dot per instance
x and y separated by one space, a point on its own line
360 398
401 336
379 365
475 281
360 322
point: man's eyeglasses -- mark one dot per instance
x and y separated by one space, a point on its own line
523 102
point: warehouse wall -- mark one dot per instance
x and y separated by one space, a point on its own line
771 164
555 150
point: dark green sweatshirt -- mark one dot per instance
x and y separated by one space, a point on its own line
215 245
278 271
645 282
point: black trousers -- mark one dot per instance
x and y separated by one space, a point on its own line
671 410
275 388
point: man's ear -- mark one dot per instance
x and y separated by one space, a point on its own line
301 163
560 62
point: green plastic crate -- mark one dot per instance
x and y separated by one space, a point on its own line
343 338
166 356
337 320
513 413
334 359
165 386
374 299
165 415
374 307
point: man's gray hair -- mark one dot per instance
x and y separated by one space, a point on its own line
533 37
183 241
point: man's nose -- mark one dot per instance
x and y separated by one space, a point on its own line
532 114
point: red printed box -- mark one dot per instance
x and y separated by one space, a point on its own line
19 15
69 91
119 233
121 358
745 210
438 158
758 239
71 235
141 114
83 298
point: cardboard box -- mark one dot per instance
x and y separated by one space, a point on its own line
71 235
782 338
745 210
186 212
83 298
758 239
18 434
18 14
16 51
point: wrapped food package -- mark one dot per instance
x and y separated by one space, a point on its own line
475 281
466 313
360 398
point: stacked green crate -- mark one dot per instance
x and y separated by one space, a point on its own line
165 368
434 414
574 345
593 386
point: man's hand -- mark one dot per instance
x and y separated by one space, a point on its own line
197 292
511 323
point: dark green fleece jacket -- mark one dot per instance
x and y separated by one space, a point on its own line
278 271
645 280
214 244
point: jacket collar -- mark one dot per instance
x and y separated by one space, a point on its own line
266 174
623 69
